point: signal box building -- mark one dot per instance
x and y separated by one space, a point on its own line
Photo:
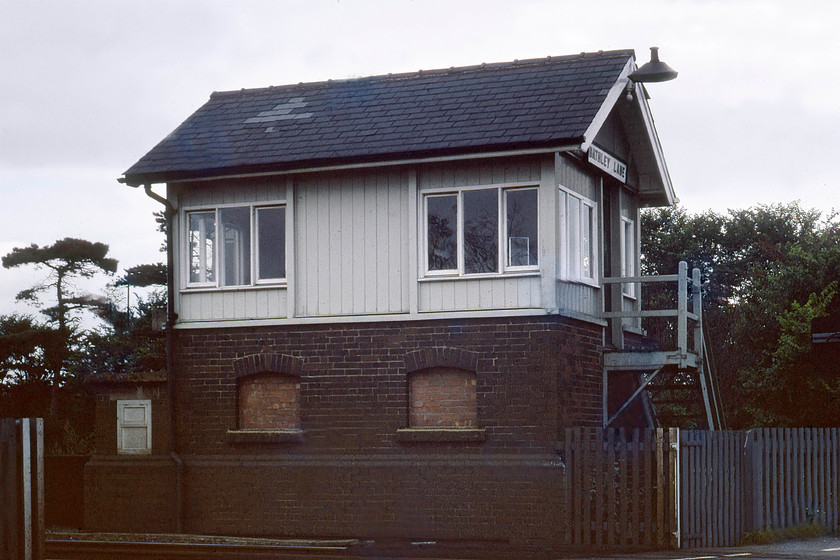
388 302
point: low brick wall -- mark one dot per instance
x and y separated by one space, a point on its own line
509 501
357 467
64 490
130 494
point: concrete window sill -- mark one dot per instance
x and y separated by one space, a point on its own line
265 436
441 434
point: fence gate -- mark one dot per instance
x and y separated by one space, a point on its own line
713 483
22 489
620 488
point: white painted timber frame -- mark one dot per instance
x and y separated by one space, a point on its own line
573 244
502 248
124 424
184 246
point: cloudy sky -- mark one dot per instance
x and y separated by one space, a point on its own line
88 86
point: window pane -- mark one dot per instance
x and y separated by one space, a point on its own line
442 215
587 264
202 237
481 231
236 251
522 227
628 263
574 237
271 236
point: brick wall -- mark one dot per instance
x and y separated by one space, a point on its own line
533 376
130 494
269 401
350 473
442 397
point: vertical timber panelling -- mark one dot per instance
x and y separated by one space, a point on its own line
483 294
352 233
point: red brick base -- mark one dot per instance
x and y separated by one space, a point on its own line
347 472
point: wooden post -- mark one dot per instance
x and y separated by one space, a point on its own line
697 309
9 488
660 490
21 489
674 486
682 307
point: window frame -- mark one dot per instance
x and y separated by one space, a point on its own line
219 247
568 239
502 240
147 424
628 255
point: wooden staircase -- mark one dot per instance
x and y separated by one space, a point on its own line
672 382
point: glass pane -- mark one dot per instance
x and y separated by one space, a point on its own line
522 227
271 242
587 268
481 231
134 438
574 233
202 238
627 258
236 252
442 215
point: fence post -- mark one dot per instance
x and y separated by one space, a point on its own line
682 308
674 486
21 489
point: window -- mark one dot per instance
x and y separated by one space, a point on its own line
442 398
269 402
578 230
628 254
474 231
134 426
252 246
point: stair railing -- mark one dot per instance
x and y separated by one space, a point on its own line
682 313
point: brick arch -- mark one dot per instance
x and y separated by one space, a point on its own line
441 357
268 391
267 363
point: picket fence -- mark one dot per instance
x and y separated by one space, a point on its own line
666 488
620 489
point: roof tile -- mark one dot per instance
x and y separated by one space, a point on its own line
537 101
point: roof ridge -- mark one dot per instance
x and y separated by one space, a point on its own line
516 63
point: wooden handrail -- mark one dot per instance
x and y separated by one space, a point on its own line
682 313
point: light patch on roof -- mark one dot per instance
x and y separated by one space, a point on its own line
281 112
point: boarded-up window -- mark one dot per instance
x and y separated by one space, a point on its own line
134 426
442 398
269 402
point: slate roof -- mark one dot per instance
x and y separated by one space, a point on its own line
515 105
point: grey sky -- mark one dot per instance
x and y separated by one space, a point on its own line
87 87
